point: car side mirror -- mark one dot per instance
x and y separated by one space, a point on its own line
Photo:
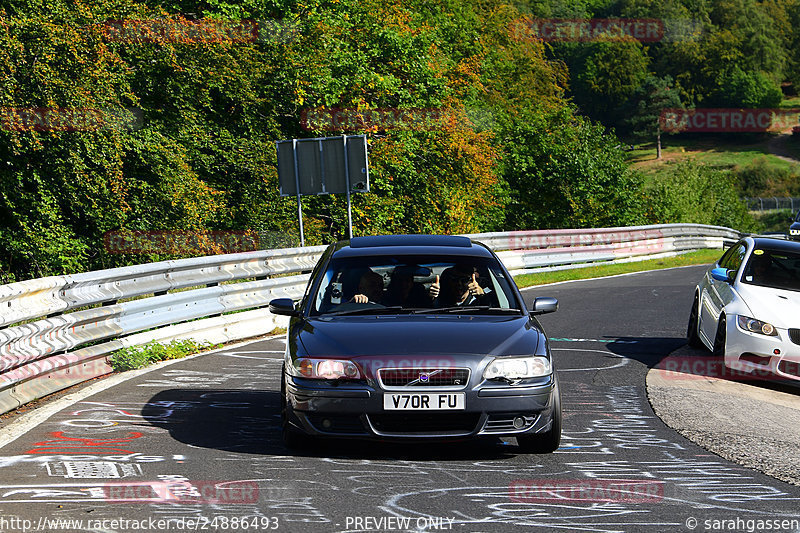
283 306
722 274
544 304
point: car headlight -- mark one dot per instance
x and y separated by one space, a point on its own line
794 232
757 326
311 368
518 368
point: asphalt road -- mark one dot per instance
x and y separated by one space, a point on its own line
196 445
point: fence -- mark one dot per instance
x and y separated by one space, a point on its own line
60 330
772 204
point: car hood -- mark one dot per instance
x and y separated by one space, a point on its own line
391 335
779 307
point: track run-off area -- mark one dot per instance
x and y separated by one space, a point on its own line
195 446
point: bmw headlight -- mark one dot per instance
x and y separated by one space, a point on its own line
756 326
511 368
794 232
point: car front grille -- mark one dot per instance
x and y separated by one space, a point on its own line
422 423
423 377
789 367
794 334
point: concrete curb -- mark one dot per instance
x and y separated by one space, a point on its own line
748 423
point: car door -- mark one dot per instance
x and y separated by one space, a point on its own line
718 294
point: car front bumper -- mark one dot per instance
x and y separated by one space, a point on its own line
356 410
760 356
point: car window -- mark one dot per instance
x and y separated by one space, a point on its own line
733 259
773 268
403 283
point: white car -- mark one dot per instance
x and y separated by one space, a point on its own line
747 309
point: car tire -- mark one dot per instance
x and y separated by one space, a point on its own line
692 336
291 437
548 441
719 338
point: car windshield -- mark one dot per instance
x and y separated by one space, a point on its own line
408 284
773 268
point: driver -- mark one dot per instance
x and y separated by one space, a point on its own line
370 288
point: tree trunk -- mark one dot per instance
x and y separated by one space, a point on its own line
658 146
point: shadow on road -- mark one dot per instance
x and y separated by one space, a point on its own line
673 354
248 421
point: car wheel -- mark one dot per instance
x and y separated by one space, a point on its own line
292 438
548 441
691 332
719 338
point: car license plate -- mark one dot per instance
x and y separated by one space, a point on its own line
424 401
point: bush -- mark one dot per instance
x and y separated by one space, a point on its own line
762 178
135 357
688 192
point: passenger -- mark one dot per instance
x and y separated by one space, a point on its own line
459 286
403 291
370 288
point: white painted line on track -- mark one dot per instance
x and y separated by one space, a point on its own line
622 363
28 421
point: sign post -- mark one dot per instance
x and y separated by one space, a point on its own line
323 165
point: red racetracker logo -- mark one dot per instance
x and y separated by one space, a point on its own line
693 367
182 491
379 119
68 119
550 30
727 120
180 242
585 490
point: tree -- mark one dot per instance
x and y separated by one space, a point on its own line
611 70
647 106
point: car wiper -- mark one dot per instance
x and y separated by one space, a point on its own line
469 309
369 311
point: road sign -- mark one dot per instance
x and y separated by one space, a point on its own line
323 165
319 165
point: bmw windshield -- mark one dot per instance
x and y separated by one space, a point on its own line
406 284
777 269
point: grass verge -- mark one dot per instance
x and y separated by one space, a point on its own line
141 356
699 257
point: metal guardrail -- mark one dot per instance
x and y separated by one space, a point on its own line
60 330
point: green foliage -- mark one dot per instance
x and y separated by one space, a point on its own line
564 172
751 90
760 178
688 192
648 102
609 73
135 357
775 221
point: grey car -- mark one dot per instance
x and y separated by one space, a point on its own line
415 337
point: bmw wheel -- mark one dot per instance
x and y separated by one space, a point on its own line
691 332
719 338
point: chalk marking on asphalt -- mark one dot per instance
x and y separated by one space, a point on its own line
622 363
28 421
